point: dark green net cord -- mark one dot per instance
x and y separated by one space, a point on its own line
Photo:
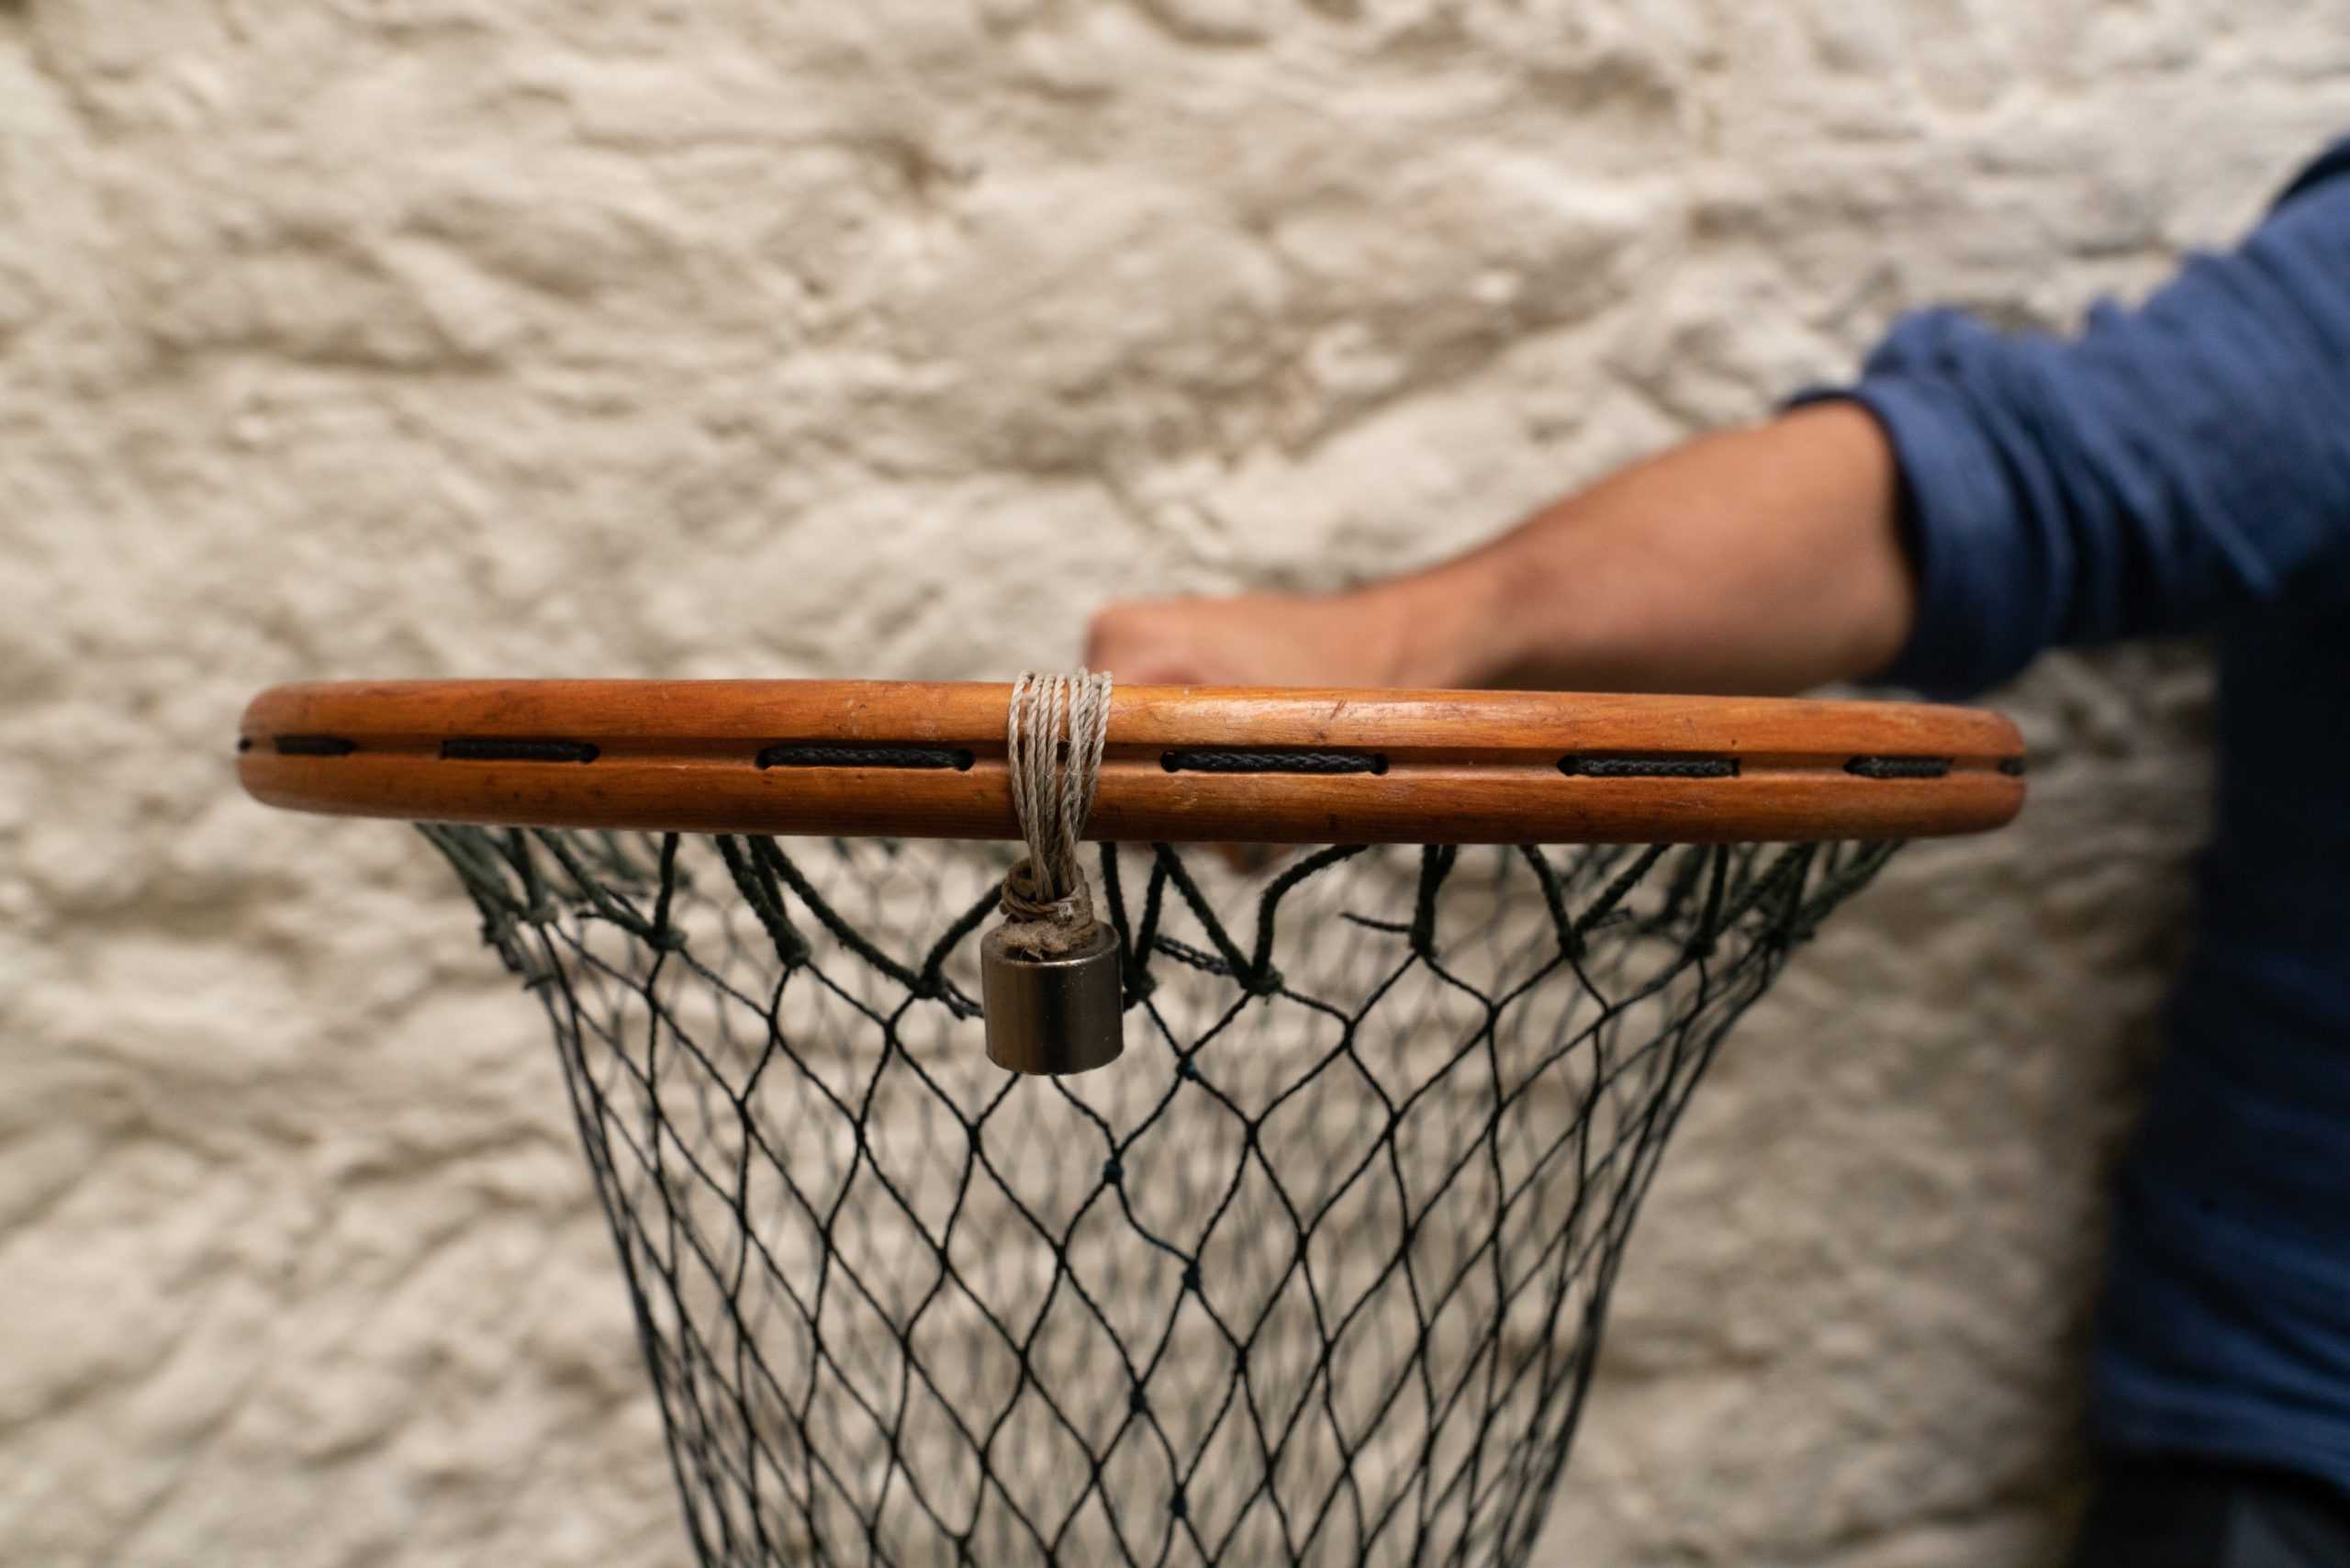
1315 1274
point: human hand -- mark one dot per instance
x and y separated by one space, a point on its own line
1258 639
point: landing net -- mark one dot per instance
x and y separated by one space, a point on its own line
1315 1274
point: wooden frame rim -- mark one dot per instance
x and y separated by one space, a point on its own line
1253 764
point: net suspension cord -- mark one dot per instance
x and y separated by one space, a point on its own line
1055 733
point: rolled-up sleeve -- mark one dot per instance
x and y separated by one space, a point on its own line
2171 466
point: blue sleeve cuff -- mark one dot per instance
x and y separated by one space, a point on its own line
1954 510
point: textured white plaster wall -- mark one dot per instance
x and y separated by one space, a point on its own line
436 337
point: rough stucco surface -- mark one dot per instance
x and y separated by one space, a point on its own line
436 337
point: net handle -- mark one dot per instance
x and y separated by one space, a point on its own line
1183 763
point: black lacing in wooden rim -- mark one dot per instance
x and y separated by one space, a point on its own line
1270 759
797 754
1899 766
515 748
1575 765
313 745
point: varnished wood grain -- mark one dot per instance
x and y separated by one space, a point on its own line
1459 766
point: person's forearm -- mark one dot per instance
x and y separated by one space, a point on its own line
1761 560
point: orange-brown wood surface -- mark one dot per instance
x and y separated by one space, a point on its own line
1457 767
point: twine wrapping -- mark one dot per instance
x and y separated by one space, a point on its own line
1054 737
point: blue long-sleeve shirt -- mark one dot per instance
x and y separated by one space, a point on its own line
2186 465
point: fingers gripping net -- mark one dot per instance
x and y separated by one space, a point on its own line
1315 1274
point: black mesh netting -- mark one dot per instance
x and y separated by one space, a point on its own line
1315 1274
